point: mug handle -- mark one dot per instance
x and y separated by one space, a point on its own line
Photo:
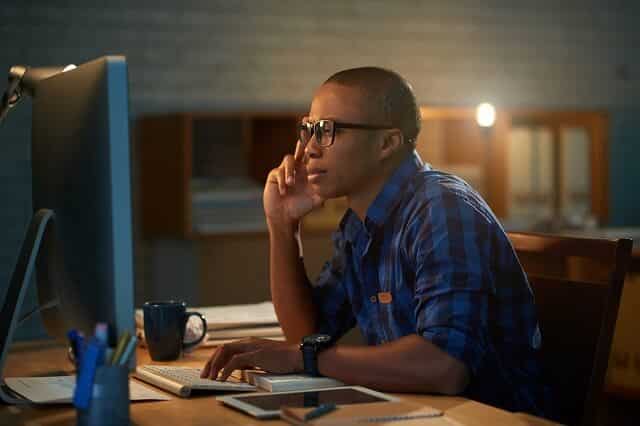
188 345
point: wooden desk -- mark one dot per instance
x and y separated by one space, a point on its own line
43 358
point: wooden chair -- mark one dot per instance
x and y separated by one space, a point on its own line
577 283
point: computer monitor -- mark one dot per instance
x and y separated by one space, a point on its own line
80 239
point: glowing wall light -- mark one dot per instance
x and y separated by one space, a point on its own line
485 115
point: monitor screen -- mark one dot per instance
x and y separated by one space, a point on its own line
81 170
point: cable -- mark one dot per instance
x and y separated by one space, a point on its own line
50 304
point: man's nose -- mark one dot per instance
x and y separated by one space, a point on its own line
312 149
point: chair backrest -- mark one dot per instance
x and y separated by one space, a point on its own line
577 283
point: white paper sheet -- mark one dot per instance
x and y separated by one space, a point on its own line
59 389
207 342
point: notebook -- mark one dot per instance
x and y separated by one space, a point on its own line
209 342
397 413
242 332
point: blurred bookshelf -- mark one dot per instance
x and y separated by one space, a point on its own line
202 174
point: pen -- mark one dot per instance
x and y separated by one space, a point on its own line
72 335
320 410
122 343
102 332
126 354
80 346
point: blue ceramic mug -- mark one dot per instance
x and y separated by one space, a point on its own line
164 327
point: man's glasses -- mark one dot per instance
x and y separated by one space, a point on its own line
325 131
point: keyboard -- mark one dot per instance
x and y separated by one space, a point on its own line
183 380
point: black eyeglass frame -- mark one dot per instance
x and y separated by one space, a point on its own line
315 129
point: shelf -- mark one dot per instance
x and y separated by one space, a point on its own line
203 173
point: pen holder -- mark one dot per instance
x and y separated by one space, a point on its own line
109 404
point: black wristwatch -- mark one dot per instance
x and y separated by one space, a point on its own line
310 347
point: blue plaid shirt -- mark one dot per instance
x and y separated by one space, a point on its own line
431 259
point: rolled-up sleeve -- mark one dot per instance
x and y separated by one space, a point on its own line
335 316
453 283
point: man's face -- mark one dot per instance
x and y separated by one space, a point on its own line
346 167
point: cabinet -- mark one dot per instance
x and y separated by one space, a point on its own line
537 169
202 174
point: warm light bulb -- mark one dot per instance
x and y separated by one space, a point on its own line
485 115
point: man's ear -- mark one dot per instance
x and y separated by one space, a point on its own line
392 141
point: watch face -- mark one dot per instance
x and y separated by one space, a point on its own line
317 339
323 338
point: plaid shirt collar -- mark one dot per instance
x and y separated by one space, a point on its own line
386 200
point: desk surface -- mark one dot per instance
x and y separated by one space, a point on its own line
43 358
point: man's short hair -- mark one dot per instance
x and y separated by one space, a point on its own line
391 92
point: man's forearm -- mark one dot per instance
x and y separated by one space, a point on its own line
289 284
409 364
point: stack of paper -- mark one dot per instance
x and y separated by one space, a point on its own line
228 323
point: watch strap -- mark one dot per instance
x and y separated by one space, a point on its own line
310 361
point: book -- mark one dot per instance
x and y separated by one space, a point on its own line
287 382
399 413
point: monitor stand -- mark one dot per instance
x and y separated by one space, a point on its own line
18 285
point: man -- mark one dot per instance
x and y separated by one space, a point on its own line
421 264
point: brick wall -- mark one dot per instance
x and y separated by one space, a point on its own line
223 55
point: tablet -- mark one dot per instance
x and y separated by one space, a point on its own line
266 405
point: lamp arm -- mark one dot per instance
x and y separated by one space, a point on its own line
13 94
23 81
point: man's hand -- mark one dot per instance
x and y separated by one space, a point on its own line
287 194
270 355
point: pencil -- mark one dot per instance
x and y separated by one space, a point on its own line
122 343
126 354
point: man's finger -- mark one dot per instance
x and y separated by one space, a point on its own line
317 200
225 352
273 176
238 362
209 365
218 360
299 151
289 170
205 371
281 183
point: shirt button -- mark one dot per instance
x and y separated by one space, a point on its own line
373 299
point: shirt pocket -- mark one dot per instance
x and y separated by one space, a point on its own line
394 301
